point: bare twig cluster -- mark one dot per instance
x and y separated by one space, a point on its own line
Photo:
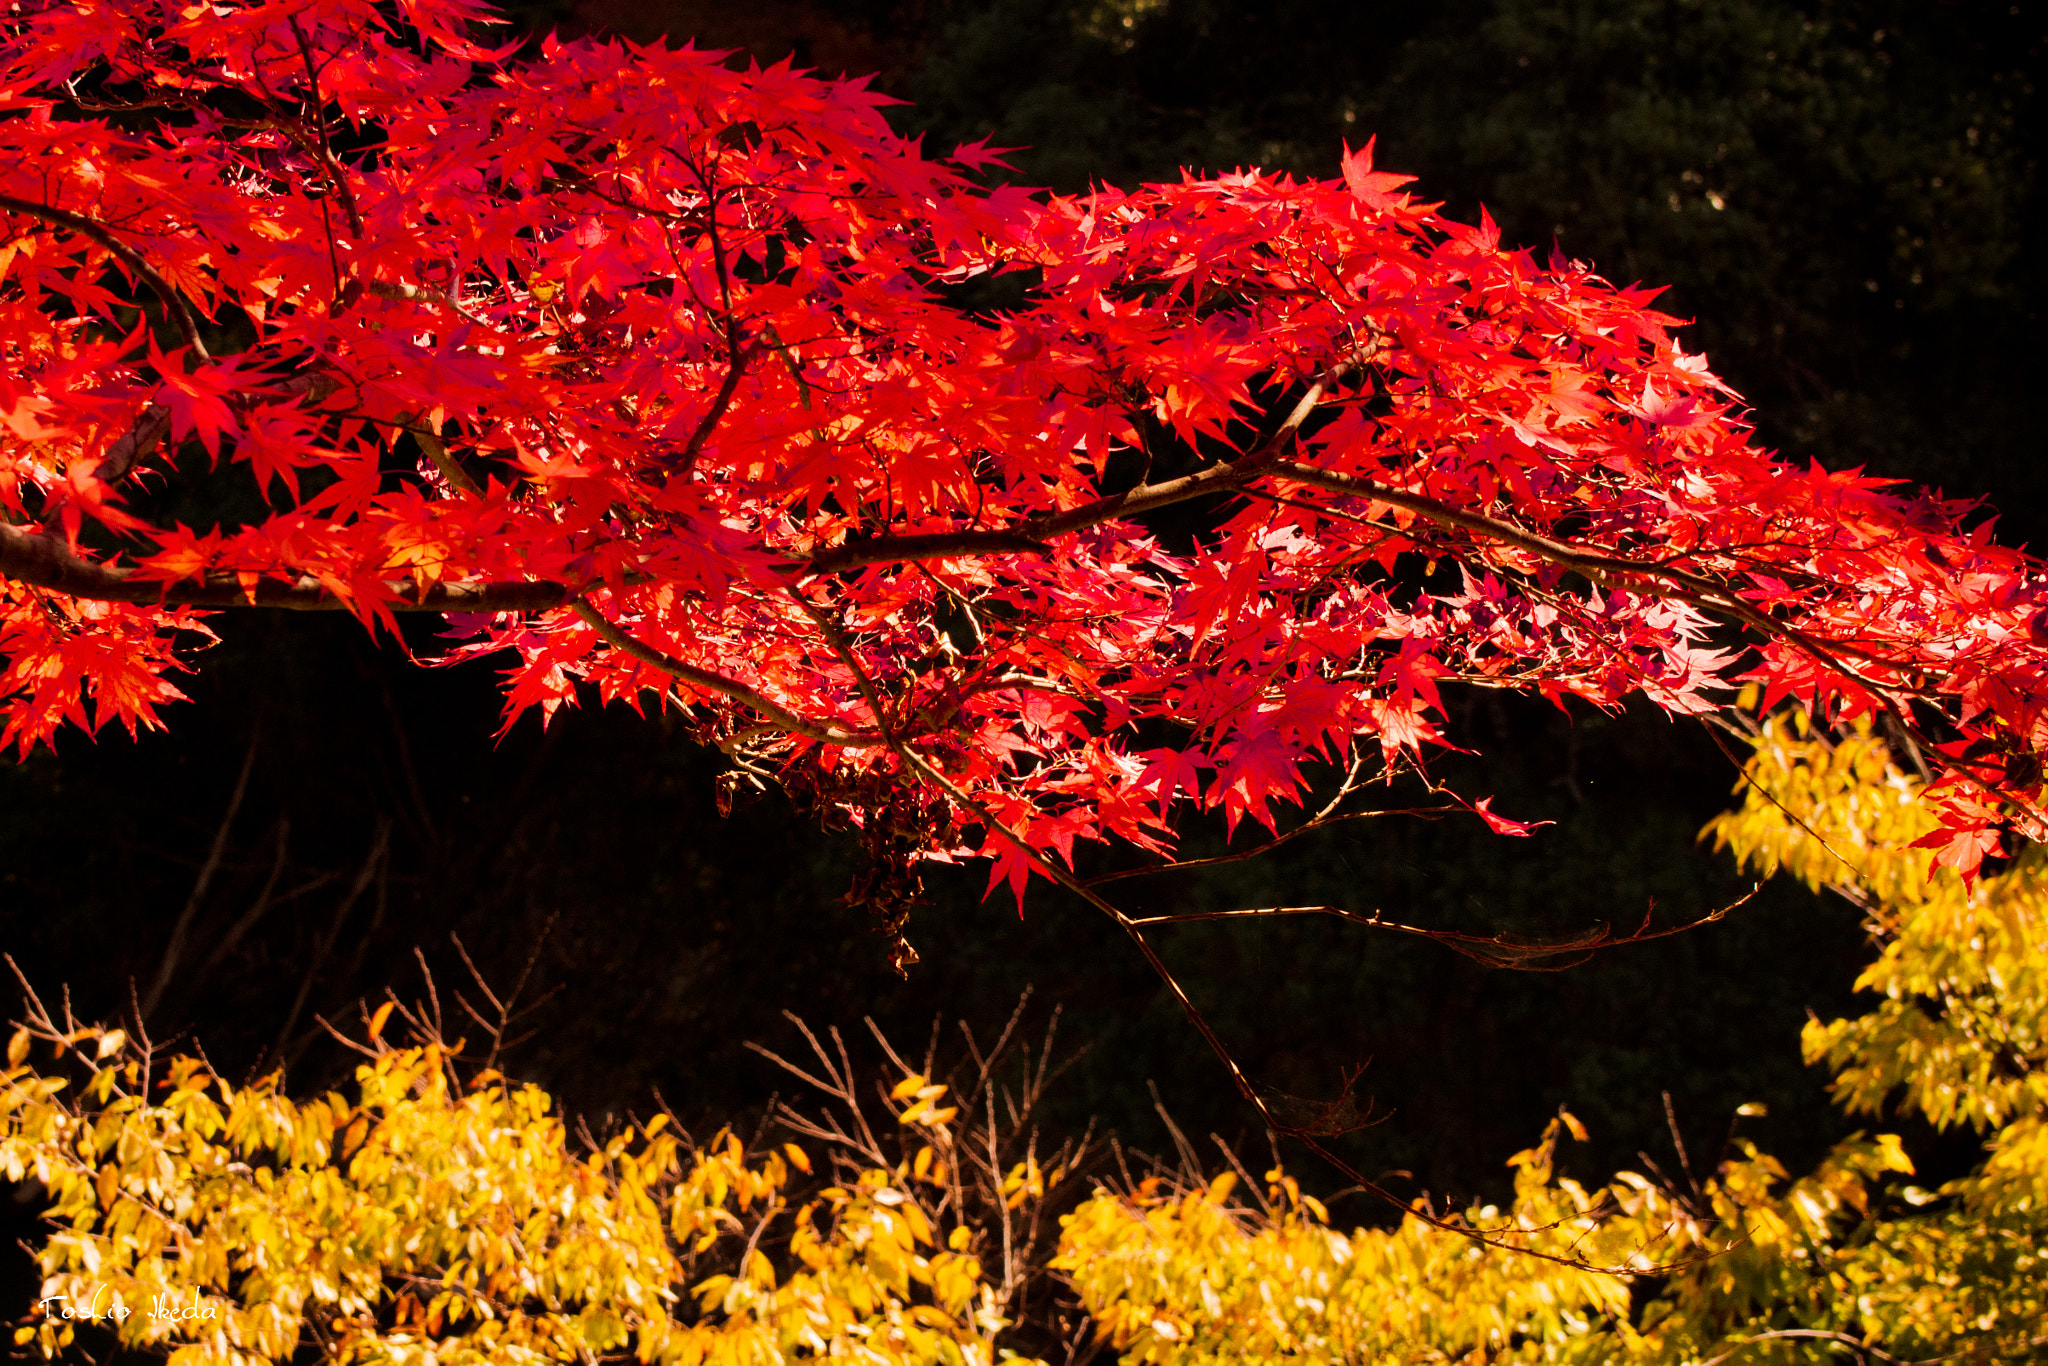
959 1128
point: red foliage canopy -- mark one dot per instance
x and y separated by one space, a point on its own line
675 379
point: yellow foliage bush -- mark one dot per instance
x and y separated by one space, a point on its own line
429 1220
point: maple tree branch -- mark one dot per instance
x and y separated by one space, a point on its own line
44 561
920 546
155 423
704 680
1497 950
1215 479
327 159
437 451
138 441
1319 823
1692 588
1029 536
1264 461
400 291
173 302
835 638
1742 771
735 367
736 356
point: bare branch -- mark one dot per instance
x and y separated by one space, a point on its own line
378 848
257 909
1499 950
1863 1350
1322 821
174 950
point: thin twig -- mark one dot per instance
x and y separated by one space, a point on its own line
1499 950
1322 821
378 846
175 949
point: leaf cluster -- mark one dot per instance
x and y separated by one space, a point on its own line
441 1213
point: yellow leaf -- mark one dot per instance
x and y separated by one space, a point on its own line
17 1048
377 1020
111 1043
797 1158
919 1229
908 1087
353 1139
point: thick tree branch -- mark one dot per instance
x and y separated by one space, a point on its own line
1215 479
155 422
923 546
400 291
46 562
133 444
1029 536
